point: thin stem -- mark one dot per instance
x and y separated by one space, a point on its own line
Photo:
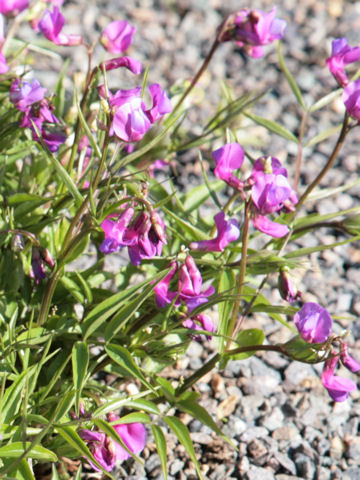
208 366
300 150
240 279
329 163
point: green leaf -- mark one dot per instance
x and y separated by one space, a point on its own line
323 136
139 404
227 282
197 411
161 448
135 417
290 79
167 389
300 252
246 338
12 399
183 225
107 308
80 362
325 100
73 288
272 126
37 452
23 471
183 435
122 357
198 195
65 177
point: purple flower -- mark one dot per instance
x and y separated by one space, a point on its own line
313 322
342 54
4 67
228 158
160 103
131 117
37 265
51 26
199 322
286 287
228 231
337 387
130 63
351 99
144 241
163 294
13 7
132 434
349 362
117 36
115 230
190 284
252 29
106 451
24 94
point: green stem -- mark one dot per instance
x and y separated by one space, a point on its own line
208 366
328 165
240 279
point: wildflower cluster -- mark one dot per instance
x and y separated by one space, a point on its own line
82 178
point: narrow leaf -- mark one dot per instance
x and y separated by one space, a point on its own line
37 452
161 448
272 126
80 362
183 435
290 79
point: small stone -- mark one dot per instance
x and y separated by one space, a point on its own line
254 432
285 462
353 449
226 407
286 433
176 466
305 466
258 473
272 421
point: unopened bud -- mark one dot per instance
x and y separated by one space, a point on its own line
286 287
46 256
17 243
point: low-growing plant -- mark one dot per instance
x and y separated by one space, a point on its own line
84 347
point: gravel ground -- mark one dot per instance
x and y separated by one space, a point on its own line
277 413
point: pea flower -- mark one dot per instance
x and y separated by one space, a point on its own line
131 117
132 434
190 285
351 99
251 29
106 451
40 256
23 94
286 287
3 65
342 54
228 158
51 26
349 362
13 7
117 36
228 231
313 322
115 230
130 63
144 236
337 387
163 294
199 322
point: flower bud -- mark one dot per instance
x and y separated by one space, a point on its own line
286 287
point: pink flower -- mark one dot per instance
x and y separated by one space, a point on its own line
313 322
228 158
115 231
132 434
13 7
199 322
252 29
51 26
106 451
163 294
337 387
342 54
117 36
351 99
286 287
4 67
24 94
349 362
130 63
228 231
131 117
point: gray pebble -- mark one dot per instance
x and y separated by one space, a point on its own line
305 466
